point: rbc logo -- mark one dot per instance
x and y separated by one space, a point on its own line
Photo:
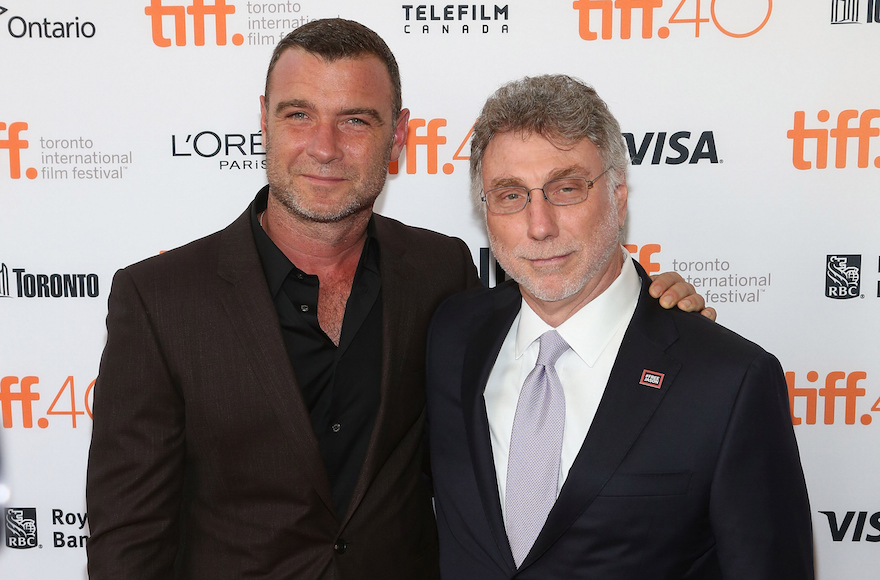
842 275
21 528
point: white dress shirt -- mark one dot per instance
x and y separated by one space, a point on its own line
594 334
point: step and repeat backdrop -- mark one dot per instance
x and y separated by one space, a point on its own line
129 128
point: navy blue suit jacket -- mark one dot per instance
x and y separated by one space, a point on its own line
698 478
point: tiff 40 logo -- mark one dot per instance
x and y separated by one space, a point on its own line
742 18
18 395
836 385
198 11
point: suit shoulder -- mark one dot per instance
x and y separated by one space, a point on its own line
700 333
421 238
459 310
191 257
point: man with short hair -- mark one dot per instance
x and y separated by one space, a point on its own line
259 410
577 429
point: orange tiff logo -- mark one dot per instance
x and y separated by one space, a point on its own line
686 12
431 141
837 385
841 134
198 10
14 144
23 391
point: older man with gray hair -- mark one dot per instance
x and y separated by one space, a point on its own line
577 429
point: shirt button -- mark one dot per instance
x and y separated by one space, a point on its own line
304 308
336 427
299 276
340 546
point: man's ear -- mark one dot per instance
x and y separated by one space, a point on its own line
398 138
263 115
620 196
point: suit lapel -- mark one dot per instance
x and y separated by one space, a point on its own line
402 308
481 352
255 321
625 409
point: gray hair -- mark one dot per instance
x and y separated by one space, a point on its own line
336 38
562 109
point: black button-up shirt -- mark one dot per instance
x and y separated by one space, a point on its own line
339 385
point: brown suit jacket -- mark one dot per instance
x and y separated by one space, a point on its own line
203 462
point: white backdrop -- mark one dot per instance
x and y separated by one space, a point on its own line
758 123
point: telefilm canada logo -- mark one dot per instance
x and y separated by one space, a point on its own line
446 19
21 528
848 12
843 273
47 26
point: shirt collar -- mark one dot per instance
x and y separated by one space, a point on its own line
590 329
277 267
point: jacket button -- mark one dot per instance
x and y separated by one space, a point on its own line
340 546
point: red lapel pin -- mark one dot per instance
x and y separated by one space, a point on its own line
651 379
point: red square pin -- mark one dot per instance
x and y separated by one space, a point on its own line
651 379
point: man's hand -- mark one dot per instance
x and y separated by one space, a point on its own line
671 289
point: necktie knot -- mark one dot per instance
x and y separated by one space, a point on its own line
552 347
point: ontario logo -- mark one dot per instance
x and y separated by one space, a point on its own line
21 528
843 276
267 22
48 27
605 20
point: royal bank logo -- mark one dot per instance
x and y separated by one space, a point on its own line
21 528
847 12
843 276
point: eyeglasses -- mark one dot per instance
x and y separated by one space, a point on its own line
562 191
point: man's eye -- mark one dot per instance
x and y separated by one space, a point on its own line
356 121
296 115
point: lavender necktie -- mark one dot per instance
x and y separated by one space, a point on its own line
535 449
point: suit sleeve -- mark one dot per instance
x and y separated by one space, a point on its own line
759 509
136 460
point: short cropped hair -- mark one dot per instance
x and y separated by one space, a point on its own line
333 39
562 109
